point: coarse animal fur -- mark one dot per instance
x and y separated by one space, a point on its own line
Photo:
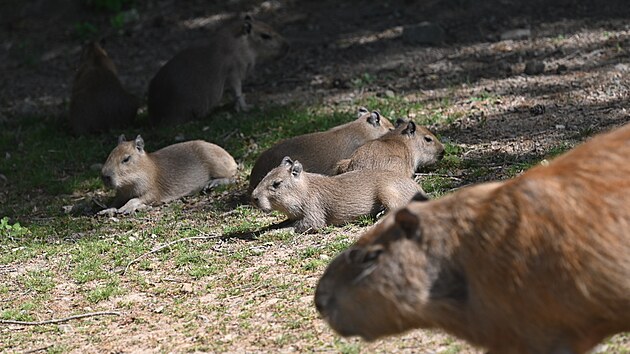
536 264
181 169
403 150
99 102
192 83
320 151
314 201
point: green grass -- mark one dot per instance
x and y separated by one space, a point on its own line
260 282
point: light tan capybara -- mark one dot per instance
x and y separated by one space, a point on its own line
404 150
192 83
141 179
319 152
536 264
99 102
314 201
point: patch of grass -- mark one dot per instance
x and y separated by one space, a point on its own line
40 281
16 315
104 292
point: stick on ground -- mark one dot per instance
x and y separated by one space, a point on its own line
59 320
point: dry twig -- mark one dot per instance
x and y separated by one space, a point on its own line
59 320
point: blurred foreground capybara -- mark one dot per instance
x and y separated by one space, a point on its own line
99 102
314 201
536 264
141 179
192 83
404 150
319 152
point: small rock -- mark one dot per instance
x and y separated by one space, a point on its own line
423 33
516 34
187 288
324 257
159 309
96 167
560 126
389 93
534 67
180 137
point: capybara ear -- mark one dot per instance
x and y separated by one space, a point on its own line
139 143
411 128
296 169
399 122
362 111
374 118
247 27
419 197
409 223
286 161
121 139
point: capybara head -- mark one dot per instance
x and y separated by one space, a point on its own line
266 42
393 279
281 189
373 124
426 147
124 165
93 55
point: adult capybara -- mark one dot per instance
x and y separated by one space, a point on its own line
192 83
99 102
536 264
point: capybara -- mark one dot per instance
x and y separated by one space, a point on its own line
404 150
99 102
192 83
319 152
141 179
536 264
314 201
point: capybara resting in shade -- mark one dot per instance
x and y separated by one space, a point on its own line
536 264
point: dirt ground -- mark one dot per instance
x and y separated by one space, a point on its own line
345 51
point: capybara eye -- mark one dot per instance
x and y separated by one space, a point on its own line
126 159
372 255
265 36
428 139
276 184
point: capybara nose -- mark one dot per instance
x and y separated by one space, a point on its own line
107 180
322 302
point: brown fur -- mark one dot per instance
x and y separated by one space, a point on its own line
536 264
403 150
192 83
320 151
142 178
99 102
314 201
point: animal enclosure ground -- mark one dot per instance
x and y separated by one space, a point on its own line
230 284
